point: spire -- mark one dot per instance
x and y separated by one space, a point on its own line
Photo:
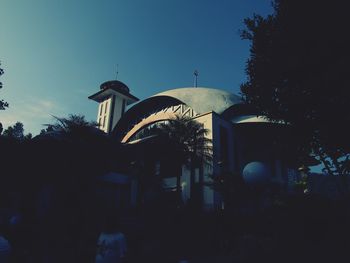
116 77
196 74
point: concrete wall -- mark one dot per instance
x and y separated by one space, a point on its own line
118 110
208 193
110 111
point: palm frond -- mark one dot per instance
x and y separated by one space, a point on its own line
191 136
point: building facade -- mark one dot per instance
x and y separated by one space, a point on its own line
244 143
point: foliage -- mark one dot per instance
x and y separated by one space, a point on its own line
73 127
63 163
46 131
82 138
230 185
191 138
3 104
70 124
194 147
17 132
297 73
301 186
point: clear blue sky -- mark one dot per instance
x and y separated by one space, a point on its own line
57 53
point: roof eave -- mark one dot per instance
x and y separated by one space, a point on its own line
99 98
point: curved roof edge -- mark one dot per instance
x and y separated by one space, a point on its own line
203 99
148 105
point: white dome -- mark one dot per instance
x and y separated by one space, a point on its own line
203 100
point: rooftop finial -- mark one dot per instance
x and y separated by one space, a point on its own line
195 73
116 77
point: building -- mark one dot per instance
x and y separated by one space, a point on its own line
243 143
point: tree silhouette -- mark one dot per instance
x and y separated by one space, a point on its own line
46 131
74 153
194 147
297 72
84 139
3 104
17 132
74 126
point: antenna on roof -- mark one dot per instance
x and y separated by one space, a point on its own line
195 73
116 77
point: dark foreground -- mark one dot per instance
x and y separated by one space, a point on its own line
287 229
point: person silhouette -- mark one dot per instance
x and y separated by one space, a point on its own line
111 243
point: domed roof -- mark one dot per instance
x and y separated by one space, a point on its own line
203 99
115 84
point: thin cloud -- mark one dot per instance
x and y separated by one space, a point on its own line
33 114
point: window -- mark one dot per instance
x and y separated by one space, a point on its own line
106 106
101 106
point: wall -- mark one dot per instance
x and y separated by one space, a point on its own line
110 111
118 110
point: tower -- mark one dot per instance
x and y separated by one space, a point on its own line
113 98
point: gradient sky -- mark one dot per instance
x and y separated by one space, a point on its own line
57 53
